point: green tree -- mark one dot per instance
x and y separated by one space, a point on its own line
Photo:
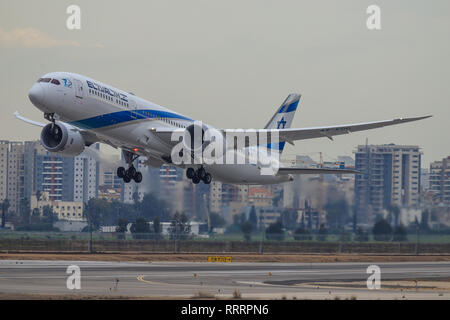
121 228
400 233
97 212
277 198
136 201
345 236
322 233
48 215
252 218
103 212
38 195
275 231
151 207
382 230
141 228
5 208
337 212
424 226
35 216
179 227
239 219
25 211
395 212
157 227
289 218
122 225
217 220
302 233
246 229
361 235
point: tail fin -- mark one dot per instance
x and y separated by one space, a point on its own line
282 119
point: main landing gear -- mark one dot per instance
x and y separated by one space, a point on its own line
199 174
130 173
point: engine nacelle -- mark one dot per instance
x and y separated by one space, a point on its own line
194 137
62 138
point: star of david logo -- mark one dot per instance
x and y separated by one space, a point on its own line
280 123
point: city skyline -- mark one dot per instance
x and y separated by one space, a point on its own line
235 74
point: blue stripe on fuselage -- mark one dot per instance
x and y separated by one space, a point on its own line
123 116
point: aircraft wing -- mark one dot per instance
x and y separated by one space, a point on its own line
88 136
330 131
34 123
293 134
316 171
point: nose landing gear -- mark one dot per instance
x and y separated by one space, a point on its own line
51 117
197 175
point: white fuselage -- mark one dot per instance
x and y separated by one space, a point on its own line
124 120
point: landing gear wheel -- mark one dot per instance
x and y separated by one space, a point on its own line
201 172
126 179
196 179
50 116
120 172
137 177
207 179
190 173
131 171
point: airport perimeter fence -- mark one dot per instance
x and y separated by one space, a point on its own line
69 242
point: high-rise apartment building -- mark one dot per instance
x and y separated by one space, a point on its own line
222 194
439 181
26 167
390 175
15 172
4 152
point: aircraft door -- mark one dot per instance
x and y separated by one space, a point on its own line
133 108
78 88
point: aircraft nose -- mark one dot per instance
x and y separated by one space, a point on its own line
36 94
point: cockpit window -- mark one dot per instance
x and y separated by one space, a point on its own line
56 81
44 79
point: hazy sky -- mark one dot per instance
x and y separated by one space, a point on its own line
231 63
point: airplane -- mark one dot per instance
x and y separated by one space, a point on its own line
82 111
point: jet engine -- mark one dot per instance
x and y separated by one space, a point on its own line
194 137
202 139
62 138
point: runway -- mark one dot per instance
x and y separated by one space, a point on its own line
220 280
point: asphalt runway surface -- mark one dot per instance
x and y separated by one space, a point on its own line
220 280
